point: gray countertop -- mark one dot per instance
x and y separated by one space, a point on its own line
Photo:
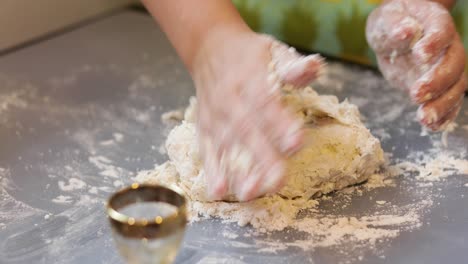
80 116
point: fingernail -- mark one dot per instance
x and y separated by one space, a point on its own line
427 116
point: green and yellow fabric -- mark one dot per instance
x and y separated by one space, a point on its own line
331 27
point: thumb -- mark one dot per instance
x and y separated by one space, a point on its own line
293 68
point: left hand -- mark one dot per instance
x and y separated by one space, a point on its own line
419 50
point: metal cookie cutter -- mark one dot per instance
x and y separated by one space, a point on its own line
148 223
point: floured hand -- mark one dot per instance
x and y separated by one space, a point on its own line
419 50
240 115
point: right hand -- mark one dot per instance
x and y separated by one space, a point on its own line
419 50
240 108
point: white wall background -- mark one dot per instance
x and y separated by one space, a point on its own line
23 20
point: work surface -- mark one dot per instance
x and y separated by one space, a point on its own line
80 116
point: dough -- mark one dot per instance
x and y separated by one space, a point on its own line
339 150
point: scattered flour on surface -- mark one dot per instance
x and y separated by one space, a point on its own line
230 235
434 166
73 184
118 183
118 137
173 116
63 199
106 167
93 190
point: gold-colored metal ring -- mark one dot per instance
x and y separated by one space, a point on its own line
156 227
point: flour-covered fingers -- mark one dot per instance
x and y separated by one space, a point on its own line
268 161
300 72
284 131
399 72
432 111
442 76
215 176
263 180
294 68
391 31
438 27
279 126
447 119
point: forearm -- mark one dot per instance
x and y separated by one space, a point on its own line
188 23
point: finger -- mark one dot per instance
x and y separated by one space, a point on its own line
283 131
273 118
399 72
293 68
443 123
390 30
269 164
439 30
300 72
277 123
262 182
432 111
215 174
442 76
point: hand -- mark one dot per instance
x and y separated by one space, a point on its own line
419 50
245 132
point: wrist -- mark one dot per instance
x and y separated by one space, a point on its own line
214 41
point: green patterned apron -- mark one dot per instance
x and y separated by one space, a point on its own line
331 27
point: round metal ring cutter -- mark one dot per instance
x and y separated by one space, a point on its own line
148 223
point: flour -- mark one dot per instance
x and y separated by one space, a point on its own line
230 235
446 129
93 190
73 184
107 142
381 134
21 210
118 137
434 166
106 167
327 231
63 199
79 130
173 116
118 183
